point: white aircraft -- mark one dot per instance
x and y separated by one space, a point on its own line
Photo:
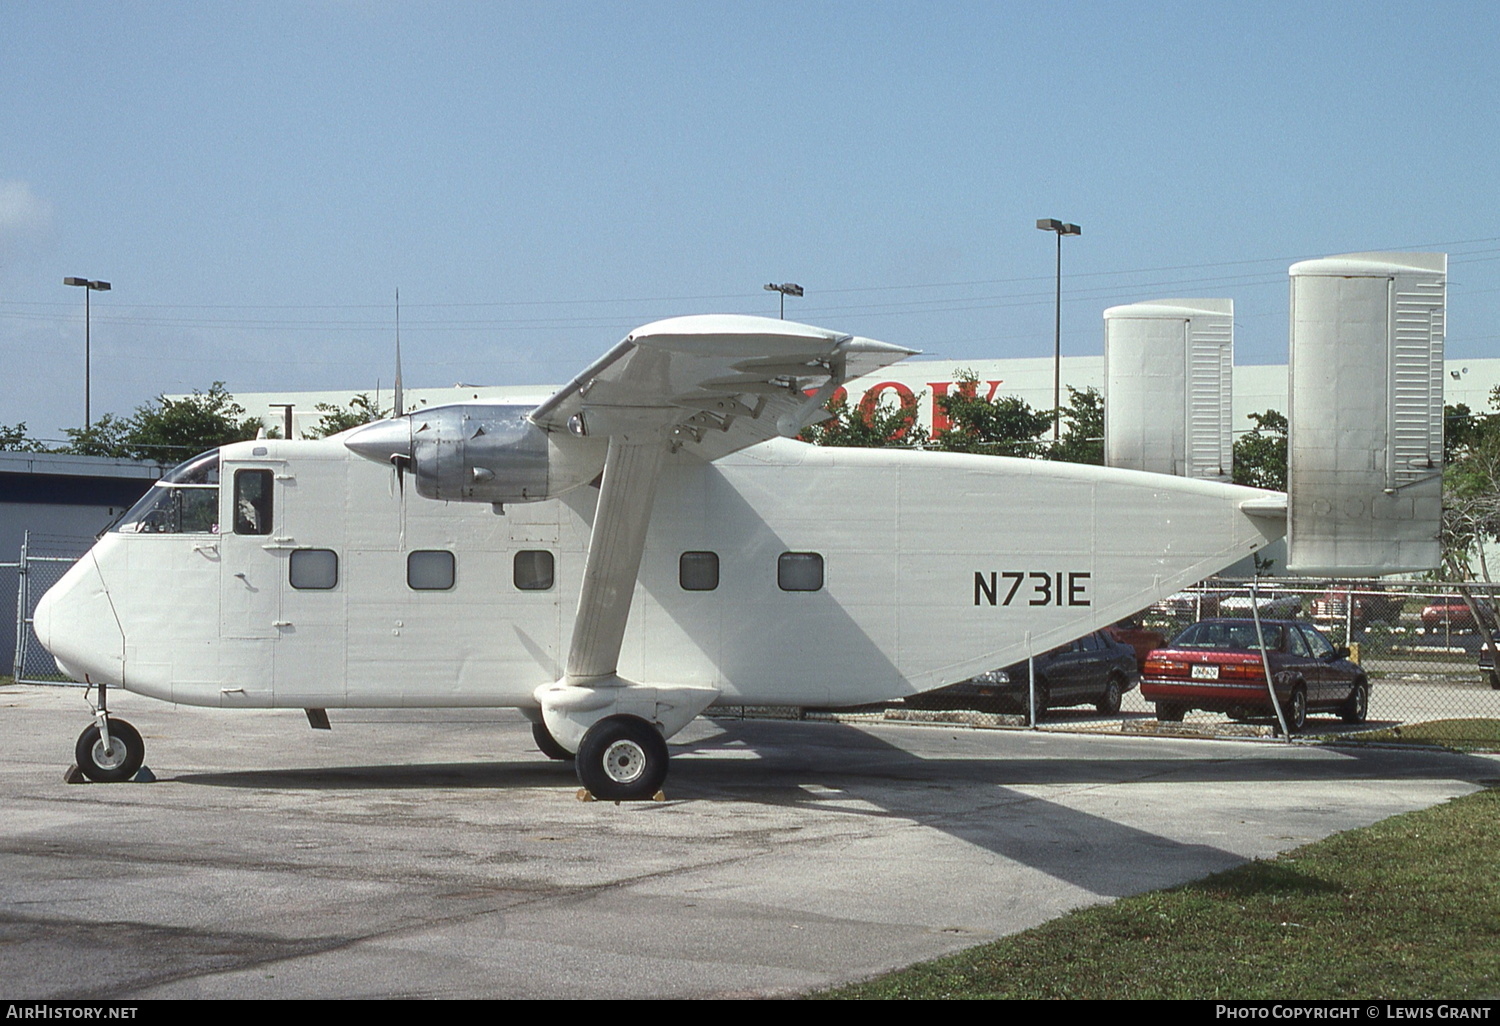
647 542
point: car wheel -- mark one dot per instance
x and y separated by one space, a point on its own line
1358 707
1296 710
1109 702
1170 712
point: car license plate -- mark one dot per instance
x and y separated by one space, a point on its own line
1205 673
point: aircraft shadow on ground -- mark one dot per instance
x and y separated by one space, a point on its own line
841 770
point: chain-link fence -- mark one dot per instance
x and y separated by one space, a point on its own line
44 560
1425 648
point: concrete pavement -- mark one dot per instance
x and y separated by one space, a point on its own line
432 853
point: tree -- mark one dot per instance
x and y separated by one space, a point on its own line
1083 439
869 425
1471 489
167 430
1007 426
1260 453
15 439
108 436
361 410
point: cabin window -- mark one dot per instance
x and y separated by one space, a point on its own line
698 571
534 569
184 501
429 570
800 571
314 569
252 502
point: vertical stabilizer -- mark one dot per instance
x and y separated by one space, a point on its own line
1365 449
1168 366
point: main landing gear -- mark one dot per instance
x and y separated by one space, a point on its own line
622 758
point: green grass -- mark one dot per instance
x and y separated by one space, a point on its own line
1465 735
1407 908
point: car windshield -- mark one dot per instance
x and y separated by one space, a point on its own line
184 501
1228 637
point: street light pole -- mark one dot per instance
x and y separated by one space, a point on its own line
786 288
88 287
1051 224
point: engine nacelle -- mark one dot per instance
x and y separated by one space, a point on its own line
481 452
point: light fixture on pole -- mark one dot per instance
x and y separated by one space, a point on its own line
786 288
1052 224
88 286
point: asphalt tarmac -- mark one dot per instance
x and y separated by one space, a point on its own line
435 854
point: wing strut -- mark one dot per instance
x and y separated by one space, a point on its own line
631 471
592 694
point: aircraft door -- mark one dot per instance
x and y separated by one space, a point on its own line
313 626
252 567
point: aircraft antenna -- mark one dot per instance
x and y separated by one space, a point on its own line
400 409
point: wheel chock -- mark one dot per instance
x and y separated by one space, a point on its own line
74 775
143 776
583 795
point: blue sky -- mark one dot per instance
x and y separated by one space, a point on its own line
257 179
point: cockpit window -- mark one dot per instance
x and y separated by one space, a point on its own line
184 501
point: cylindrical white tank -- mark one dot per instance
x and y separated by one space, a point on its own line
1167 379
1365 450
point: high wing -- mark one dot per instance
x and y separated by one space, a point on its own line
714 383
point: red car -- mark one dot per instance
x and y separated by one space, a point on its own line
1216 665
1142 639
1370 606
1451 614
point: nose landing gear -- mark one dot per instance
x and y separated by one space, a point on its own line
110 754
109 750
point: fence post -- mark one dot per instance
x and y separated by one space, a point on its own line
18 653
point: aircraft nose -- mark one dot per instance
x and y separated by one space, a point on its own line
76 623
382 440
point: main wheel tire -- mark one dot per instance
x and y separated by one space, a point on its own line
1358 707
547 744
622 758
125 754
1167 712
1296 710
1109 702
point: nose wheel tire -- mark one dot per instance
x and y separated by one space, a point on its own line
124 755
622 758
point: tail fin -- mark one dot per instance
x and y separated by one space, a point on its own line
1168 365
1365 449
